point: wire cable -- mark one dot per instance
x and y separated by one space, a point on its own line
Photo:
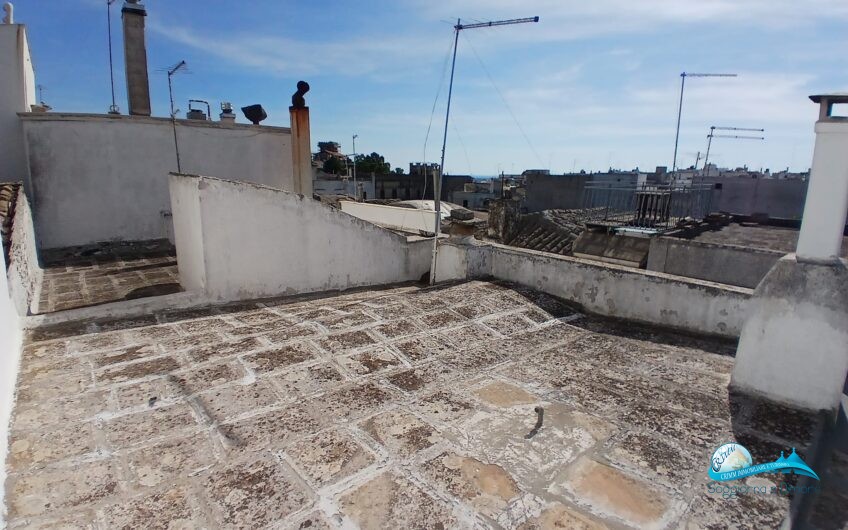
433 113
503 99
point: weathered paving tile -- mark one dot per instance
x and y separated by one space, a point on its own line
341 342
54 387
137 370
131 353
254 494
486 487
558 516
420 348
502 394
40 416
659 460
231 401
78 519
196 327
474 310
206 377
183 342
608 492
144 392
392 501
746 511
353 401
287 333
54 367
329 457
147 334
280 357
96 342
397 328
444 406
345 321
270 430
134 429
369 361
442 319
165 510
687 428
307 380
421 377
476 358
509 324
223 349
54 489
402 433
35 449
176 457
258 316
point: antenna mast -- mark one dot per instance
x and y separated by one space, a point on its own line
437 188
113 109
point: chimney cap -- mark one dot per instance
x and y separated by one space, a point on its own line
833 97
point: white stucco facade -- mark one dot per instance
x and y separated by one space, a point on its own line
296 245
99 177
17 94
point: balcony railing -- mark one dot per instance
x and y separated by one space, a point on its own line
647 207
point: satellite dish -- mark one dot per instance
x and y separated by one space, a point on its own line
254 113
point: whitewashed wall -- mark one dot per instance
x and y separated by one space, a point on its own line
612 290
407 219
273 243
98 177
10 350
17 93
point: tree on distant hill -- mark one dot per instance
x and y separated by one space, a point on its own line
372 163
399 170
335 166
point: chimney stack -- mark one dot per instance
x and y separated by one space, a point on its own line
135 58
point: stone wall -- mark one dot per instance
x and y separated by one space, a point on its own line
24 272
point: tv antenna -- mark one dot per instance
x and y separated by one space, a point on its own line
437 188
113 109
712 135
171 71
683 77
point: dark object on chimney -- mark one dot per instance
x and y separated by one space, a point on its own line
254 113
298 101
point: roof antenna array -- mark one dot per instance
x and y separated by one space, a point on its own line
437 189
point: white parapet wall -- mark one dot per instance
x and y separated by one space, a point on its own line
622 292
99 177
10 352
413 220
240 241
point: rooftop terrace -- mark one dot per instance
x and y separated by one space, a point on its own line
401 407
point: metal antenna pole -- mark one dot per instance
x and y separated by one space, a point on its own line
712 135
437 182
355 191
114 108
683 77
171 72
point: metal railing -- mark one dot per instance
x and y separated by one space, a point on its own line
647 207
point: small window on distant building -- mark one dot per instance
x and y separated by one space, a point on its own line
465 203
718 185
394 193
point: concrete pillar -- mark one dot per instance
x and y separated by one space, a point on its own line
301 150
794 343
135 58
826 205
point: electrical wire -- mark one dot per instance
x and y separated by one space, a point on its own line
503 99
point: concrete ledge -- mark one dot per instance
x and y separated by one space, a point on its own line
612 290
90 117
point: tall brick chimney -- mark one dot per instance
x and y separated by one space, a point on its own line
135 58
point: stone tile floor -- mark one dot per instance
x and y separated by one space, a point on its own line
394 408
85 276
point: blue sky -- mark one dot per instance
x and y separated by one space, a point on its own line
593 84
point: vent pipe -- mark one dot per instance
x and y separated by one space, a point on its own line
135 58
